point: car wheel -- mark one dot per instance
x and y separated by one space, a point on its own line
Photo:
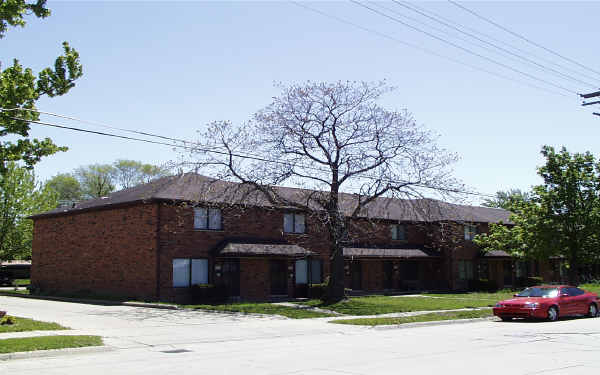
553 314
592 310
506 318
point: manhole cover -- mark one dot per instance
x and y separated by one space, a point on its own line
174 351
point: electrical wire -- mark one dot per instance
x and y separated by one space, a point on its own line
521 36
242 156
428 51
490 37
462 48
530 61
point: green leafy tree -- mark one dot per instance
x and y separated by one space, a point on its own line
129 173
20 88
506 199
562 218
66 186
20 197
96 180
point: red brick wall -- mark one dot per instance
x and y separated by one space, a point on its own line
254 279
179 239
108 251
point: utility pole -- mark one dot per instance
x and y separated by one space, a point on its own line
590 96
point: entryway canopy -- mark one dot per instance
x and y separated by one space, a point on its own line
236 249
388 253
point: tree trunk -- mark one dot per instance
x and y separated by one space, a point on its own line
573 273
335 291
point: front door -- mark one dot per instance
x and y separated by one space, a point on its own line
231 277
507 270
278 277
356 275
388 272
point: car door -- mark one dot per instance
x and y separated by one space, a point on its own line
580 305
566 302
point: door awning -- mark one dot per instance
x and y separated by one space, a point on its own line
232 249
389 253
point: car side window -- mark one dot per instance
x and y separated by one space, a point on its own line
577 291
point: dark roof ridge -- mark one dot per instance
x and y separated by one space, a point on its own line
191 187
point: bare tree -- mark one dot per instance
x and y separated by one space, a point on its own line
328 138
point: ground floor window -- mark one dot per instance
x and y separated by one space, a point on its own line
309 270
465 269
409 270
188 272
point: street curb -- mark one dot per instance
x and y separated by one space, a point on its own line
92 301
433 323
55 352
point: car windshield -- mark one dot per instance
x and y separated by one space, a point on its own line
539 292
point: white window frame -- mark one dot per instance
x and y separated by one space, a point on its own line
298 226
204 218
396 230
190 263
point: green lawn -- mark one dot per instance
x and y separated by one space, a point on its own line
47 342
20 282
24 324
374 305
261 308
497 296
419 318
20 292
594 288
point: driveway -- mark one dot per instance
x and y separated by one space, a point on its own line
151 341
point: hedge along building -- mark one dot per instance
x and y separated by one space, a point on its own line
158 239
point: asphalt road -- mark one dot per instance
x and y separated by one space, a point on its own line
151 341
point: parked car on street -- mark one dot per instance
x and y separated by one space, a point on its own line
549 302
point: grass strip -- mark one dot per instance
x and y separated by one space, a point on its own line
455 315
262 308
28 344
24 324
375 305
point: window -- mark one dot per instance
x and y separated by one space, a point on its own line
188 272
304 273
398 232
315 271
293 223
465 270
470 231
483 269
207 218
574 292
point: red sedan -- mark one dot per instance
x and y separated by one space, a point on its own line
549 302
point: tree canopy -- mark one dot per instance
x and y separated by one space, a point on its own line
506 199
328 137
562 216
20 88
20 197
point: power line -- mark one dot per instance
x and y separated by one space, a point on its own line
461 47
425 50
490 37
521 36
530 61
241 156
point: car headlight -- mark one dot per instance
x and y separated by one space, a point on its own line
499 305
532 305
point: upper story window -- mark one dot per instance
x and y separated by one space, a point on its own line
293 223
398 232
470 231
207 218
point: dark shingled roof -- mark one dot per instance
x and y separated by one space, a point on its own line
237 249
192 187
388 253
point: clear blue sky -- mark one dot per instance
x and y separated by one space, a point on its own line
170 68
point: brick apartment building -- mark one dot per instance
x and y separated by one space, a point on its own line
158 239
